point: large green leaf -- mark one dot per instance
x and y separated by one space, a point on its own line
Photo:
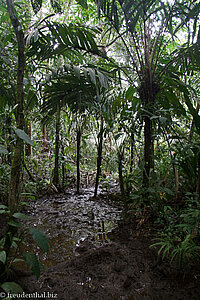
92 75
12 287
130 92
3 206
19 215
3 256
33 263
40 239
3 149
14 223
22 135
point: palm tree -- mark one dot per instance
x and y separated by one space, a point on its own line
71 41
149 33
97 107
68 46
76 87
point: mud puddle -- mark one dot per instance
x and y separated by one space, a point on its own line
67 220
124 268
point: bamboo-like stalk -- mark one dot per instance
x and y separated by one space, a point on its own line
57 148
99 156
78 143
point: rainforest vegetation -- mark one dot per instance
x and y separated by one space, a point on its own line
100 99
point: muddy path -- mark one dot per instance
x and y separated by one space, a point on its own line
96 256
68 219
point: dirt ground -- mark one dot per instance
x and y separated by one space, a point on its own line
122 268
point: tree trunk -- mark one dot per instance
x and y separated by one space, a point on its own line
30 134
120 171
78 141
99 156
147 149
57 146
132 151
16 168
29 148
148 90
121 180
63 165
44 137
198 178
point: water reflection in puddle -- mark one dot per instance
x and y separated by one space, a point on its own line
67 220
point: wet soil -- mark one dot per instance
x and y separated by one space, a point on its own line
102 263
67 219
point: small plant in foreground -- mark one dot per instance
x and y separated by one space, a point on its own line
191 221
12 240
180 250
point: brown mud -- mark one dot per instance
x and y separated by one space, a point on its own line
107 265
124 268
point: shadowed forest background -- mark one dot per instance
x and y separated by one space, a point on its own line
100 148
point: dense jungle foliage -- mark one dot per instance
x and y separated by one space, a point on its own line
97 91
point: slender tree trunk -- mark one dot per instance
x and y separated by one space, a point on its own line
120 171
99 156
29 173
29 148
17 163
121 179
57 146
198 178
63 165
30 134
132 151
147 149
78 141
44 137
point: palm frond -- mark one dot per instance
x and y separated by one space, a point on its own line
75 87
56 39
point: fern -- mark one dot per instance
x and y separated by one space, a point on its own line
180 251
